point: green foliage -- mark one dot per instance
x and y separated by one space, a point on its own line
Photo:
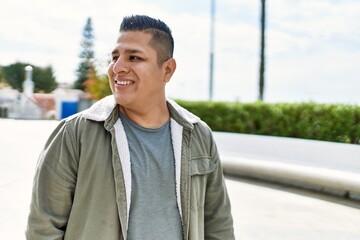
86 56
2 78
14 74
44 80
97 86
326 122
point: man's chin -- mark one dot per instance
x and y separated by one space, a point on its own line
121 100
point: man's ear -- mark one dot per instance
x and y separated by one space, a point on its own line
169 67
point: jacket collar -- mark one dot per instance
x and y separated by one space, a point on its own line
106 110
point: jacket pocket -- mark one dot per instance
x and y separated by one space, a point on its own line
200 168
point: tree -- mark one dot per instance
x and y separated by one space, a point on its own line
86 56
43 78
14 75
2 78
97 86
262 53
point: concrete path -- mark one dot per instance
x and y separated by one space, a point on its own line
269 212
261 211
20 144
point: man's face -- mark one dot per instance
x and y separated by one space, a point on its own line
136 79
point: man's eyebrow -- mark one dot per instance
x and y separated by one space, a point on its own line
128 51
115 51
131 51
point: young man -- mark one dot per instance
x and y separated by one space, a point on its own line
135 165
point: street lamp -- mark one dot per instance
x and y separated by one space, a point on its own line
262 53
212 40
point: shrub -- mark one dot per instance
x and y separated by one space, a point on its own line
309 120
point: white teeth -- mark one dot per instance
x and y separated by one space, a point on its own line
124 82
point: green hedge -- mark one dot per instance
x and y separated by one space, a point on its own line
326 122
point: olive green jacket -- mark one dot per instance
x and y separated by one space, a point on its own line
82 186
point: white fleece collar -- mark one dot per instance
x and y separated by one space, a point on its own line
102 109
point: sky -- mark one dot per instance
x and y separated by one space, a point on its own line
312 47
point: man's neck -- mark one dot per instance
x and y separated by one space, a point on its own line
151 117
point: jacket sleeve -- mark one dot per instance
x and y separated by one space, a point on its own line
53 186
217 209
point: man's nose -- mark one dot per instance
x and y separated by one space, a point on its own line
120 65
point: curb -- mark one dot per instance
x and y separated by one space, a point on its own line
334 182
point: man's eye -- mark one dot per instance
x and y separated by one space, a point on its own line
114 58
135 58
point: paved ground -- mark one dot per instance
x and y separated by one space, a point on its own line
266 212
261 211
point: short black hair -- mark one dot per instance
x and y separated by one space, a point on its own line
162 40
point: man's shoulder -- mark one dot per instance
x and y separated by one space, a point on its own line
97 114
100 110
180 114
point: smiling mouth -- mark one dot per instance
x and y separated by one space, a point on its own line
123 83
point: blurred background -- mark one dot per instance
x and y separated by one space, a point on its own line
312 50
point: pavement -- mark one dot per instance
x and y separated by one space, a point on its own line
261 210
264 211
